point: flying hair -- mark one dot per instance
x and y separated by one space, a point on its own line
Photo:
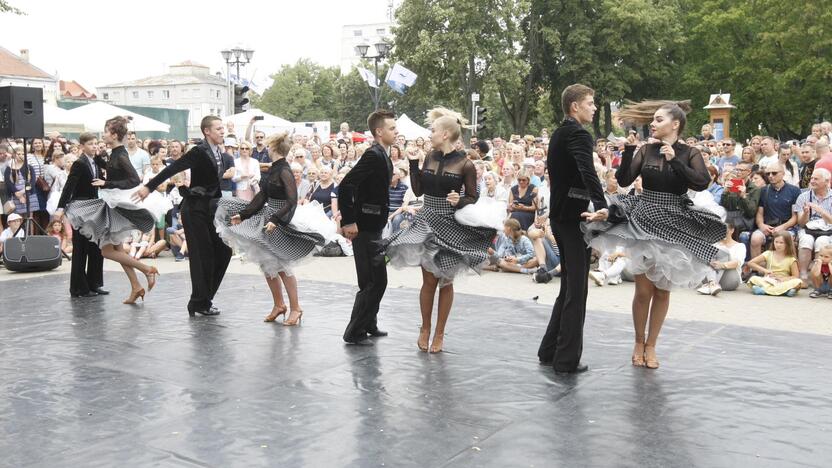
451 121
279 143
641 113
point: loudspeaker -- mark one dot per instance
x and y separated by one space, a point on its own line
32 253
21 112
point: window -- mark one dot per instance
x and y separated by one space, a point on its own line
219 94
381 31
135 94
195 92
357 33
166 94
116 94
150 94
106 96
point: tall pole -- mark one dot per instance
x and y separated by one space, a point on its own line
376 95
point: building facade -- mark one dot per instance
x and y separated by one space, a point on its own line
189 86
15 70
356 34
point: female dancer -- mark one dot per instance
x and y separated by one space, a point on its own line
435 240
110 219
261 229
669 243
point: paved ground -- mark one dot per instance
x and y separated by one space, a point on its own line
95 383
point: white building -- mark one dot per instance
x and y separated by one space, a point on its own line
355 34
188 86
17 71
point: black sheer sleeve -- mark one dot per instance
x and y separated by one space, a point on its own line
695 173
416 178
469 179
255 205
121 174
287 180
630 168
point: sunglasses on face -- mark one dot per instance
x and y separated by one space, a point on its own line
771 173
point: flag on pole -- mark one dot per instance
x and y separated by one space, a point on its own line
400 78
368 76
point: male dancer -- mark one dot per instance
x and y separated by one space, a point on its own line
208 255
364 196
87 274
573 184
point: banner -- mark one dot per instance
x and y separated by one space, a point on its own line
368 76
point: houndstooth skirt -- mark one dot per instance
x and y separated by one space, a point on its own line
665 236
273 252
438 243
112 218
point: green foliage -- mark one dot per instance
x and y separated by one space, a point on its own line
6 8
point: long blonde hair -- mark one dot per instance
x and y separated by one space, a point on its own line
448 120
641 113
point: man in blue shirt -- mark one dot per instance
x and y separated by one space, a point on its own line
775 213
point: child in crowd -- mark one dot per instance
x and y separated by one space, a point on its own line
781 275
610 267
515 253
820 273
56 230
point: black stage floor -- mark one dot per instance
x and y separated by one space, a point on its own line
95 383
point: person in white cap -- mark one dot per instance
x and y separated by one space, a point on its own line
14 220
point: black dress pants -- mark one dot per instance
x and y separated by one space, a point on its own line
87 271
208 256
372 282
563 342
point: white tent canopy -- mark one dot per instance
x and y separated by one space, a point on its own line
95 114
410 129
269 124
60 120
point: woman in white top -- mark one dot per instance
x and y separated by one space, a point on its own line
247 173
726 275
493 189
55 175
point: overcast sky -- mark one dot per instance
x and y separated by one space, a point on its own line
99 42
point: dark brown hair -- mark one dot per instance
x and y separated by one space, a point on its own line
377 118
85 137
117 125
641 113
207 121
574 93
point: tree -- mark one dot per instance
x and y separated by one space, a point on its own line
5 7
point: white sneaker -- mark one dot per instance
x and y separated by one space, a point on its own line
598 277
716 290
705 290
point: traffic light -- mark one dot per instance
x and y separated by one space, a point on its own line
240 99
481 118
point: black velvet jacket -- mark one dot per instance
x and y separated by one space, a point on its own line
574 182
364 194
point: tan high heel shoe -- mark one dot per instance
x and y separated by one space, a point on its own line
438 341
151 278
292 323
277 311
638 355
422 342
651 361
134 295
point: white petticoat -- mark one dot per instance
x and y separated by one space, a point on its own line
311 217
486 212
157 204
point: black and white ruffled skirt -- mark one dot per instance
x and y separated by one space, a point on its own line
667 237
437 241
284 247
112 218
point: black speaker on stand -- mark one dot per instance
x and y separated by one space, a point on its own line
21 116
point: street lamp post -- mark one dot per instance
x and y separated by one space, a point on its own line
236 56
382 49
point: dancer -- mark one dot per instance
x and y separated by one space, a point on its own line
435 240
208 256
260 229
87 275
110 219
364 195
574 183
669 241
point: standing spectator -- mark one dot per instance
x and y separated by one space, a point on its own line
522 201
139 158
344 133
768 151
779 267
774 214
729 158
756 143
397 190
814 215
726 276
20 181
748 156
55 175
325 192
226 184
246 173
707 133
823 156
792 174
328 158
37 163
6 157
807 161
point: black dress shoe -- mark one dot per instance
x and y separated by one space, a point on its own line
376 333
101 291
580 368
548 363
86 294
211 311
360 342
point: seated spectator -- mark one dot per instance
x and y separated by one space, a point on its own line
715 189
611 187
397 190
514 253
494 189
759 179
729 158
403 216
545 250
774 214
768 149
325 191
740 198
726 276
792 174
611 266
176 239
807 161
56 230
781 275
820 274
303 185
14 221
814 216
522 201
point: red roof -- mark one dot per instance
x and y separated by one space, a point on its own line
13 65
72 89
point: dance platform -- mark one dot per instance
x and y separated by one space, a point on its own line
92 382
